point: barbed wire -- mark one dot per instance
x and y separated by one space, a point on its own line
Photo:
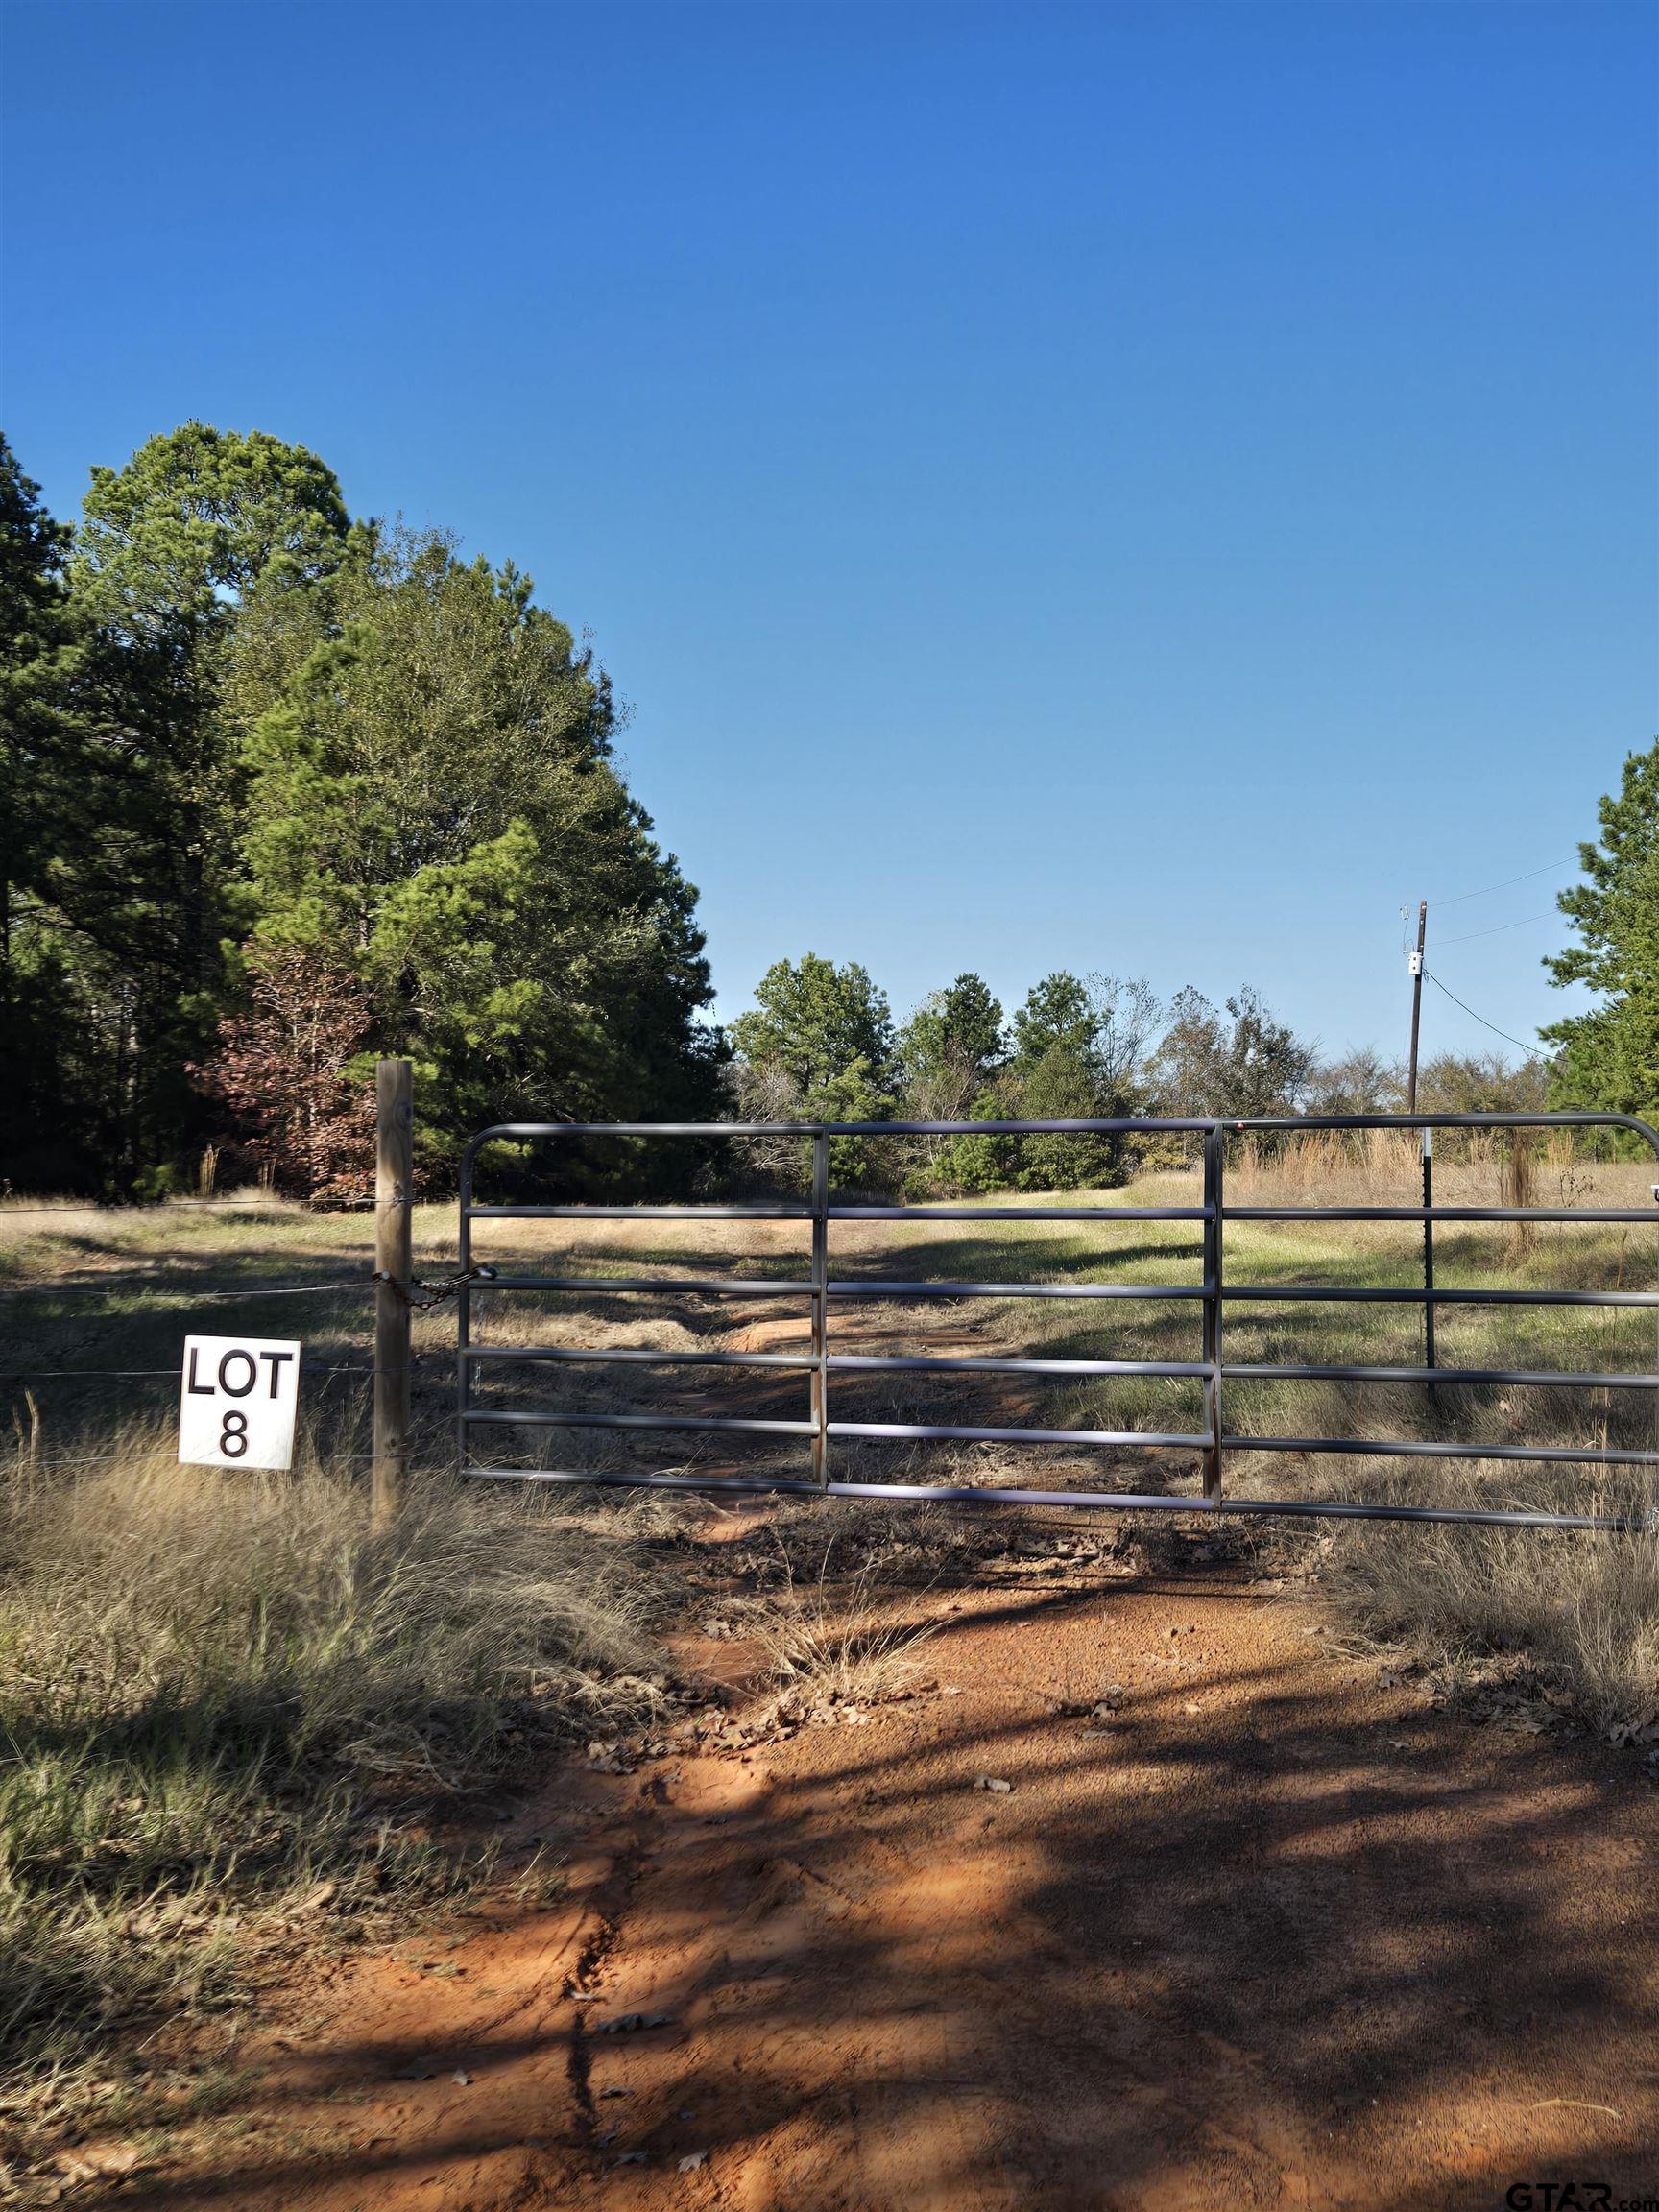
8 1211
24 1463
112 1289
144 1374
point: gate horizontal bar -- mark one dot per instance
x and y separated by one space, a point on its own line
1199 1124
1101 1501
1366 1446
1238 1293
557 1419
1641 1216
858 1361
1646 1216
710 1213
1235 1292
731 1286
854 1360
925 1493
1253 1372
598 1354
1476 1516
1569 1118
1023 1213
926 1431
951 1289
1090 1438
810 1129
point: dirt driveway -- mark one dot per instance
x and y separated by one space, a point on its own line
1268 1930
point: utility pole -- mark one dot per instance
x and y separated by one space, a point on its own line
1426 1139
1416 1004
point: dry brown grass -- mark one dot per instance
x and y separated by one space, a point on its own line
220 1698
1582 1608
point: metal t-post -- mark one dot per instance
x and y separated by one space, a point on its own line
1429 1360
1426 1139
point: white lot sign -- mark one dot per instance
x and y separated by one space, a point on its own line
237 1402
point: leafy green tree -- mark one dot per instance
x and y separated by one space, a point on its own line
813 1021
1608 1059
432 803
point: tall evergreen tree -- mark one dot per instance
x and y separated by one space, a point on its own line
432 803
949 1049
144 830
45 1136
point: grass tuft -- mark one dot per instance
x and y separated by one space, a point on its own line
835 1651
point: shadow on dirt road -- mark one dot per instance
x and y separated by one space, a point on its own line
1268 1930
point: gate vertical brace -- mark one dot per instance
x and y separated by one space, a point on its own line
1215 1146
820 1306
393 1192
464 1314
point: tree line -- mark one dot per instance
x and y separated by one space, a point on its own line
820 1044
285 790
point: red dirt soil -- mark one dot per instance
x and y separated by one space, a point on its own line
1275 1931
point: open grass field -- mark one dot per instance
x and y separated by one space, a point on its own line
237 1730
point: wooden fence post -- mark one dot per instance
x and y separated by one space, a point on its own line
394 1259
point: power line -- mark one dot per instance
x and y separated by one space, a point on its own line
1497 930
1532 1051
1548 868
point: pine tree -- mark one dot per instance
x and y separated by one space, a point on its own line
1608 1058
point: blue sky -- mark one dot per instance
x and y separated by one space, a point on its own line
1149 489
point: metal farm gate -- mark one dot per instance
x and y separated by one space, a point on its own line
820 1289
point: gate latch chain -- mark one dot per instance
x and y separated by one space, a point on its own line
419 1296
